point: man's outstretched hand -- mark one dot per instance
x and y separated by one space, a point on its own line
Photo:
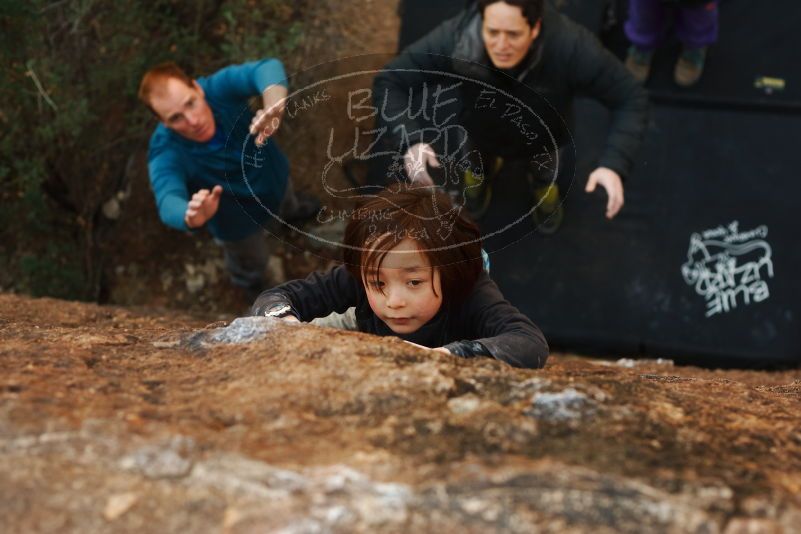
267 120
202 207
609 180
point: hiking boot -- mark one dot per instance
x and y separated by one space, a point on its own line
638 61
548 212
690 66
478 190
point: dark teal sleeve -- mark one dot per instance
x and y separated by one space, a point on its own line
240 82
168 180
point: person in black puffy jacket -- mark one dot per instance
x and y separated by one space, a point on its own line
533 55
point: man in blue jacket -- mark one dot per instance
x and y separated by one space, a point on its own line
212 161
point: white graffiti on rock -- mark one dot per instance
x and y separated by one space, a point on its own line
728 267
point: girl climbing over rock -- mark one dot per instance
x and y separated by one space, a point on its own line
414 269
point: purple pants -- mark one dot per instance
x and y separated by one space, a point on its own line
696 26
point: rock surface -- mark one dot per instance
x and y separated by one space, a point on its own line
119 421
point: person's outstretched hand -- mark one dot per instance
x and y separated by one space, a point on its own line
202 207
437 349
609 180
415 161
267 120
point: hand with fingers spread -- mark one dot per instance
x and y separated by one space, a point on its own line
609 180
267 120
416 160
202 207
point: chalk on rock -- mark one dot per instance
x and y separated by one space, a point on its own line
240 330
244 330
464 404
165 460
562 406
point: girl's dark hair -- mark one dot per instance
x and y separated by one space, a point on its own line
532 9
444 234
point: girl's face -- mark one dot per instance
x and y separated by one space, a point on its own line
408 292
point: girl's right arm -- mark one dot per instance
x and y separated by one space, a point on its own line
500 329
317 295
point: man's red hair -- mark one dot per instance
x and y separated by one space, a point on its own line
155 78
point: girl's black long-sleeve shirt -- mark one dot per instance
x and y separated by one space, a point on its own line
484 323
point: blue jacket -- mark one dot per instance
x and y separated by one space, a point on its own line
254 179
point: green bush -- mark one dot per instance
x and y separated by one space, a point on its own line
69 71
